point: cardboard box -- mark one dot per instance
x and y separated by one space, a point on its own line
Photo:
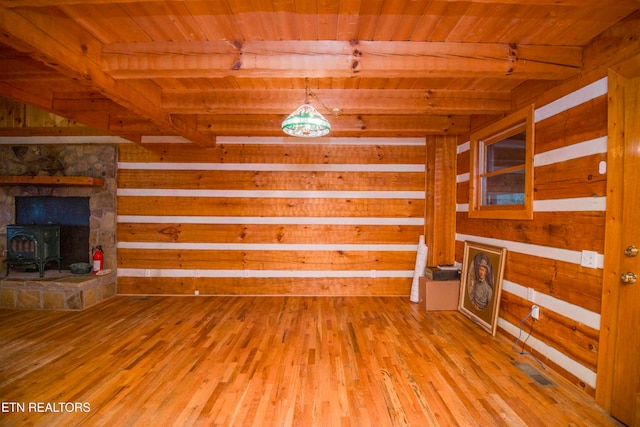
438 294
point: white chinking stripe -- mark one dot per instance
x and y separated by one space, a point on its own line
579 204
580 96
572 311
586 148
466 146
263 274
161 219
570 152
463 177
293 194
566 255
580 371
274 167
583 204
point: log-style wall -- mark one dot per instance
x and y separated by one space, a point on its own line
268 216
544 254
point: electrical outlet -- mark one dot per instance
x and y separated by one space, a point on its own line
147 273
589 259
535 312
196 292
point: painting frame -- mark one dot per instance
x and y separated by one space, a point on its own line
480 291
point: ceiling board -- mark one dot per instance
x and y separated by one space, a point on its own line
199 69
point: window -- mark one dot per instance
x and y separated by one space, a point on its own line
501 168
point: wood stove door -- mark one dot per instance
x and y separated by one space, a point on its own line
21 246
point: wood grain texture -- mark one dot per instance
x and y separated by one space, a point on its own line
270 180
315 286
581 123
568 282
566 230
577 341
307 218
316 153
278 361
268 260
579 177
269 233
270 206
440 199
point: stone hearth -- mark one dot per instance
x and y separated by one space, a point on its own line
56 290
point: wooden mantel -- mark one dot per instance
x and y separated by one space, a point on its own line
74 181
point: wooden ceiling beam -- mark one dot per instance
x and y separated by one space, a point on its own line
60 44
350 101
342 126
345 125
330 58
575 3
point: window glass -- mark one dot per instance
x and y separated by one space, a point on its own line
501 175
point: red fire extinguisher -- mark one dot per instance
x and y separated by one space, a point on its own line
98 259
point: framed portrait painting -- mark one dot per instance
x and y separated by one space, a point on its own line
481 284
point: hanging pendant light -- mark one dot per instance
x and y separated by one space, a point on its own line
306 121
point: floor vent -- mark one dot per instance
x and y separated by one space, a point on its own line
535 375
139 298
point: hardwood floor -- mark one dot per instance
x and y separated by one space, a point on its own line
270 361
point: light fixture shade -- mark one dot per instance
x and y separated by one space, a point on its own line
306 122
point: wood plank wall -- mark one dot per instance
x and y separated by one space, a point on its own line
265 216
545 253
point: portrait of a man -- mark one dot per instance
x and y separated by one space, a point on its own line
481 283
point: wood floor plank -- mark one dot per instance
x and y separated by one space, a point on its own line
272 361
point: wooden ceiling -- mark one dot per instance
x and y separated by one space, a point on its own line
201 69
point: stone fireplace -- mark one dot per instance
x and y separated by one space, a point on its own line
70 213
76 160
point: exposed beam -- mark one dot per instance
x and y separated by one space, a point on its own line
346 125
59 43
339 59
98 121
350 101
44 3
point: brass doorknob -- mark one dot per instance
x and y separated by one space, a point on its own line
629 277
631 251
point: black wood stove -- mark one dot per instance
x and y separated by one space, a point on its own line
33 244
